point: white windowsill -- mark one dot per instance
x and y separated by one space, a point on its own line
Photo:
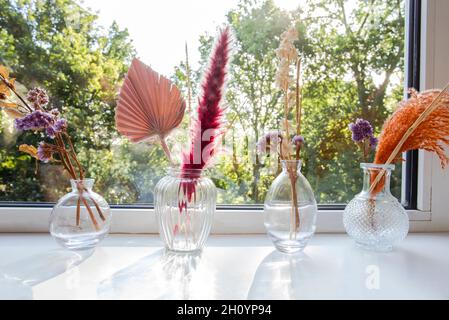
231 267
143 221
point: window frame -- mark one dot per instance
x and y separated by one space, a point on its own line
423 180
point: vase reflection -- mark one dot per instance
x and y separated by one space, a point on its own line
18 279
169 275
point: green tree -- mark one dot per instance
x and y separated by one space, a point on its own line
351 53
58 45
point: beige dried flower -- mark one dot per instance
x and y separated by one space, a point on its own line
287 49
283 75
287 54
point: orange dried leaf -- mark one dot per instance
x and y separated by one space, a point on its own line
6 104
31 150
4 72
13 113
5 91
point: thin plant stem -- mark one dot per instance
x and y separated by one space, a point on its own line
78 207
91 214
74 156
298 104
295 203
11 87
166 150
65 155
189 84
100 213
294 219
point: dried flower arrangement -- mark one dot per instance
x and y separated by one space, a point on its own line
31 113
422 122
363 136
151 106
284 143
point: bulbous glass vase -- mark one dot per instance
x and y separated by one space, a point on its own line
81 218
374 218
290 209
185 205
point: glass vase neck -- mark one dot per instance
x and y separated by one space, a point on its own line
185 173
291 164
82 184
370 173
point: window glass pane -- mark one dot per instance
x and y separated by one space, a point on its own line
353 62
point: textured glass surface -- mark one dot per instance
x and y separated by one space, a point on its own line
376 222
288 234
185 205
80 219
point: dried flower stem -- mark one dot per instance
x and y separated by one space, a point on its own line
166 149
294 220
91 214
298 104
286 112
78 208
75 158
434 105
65 156
11 87
189 84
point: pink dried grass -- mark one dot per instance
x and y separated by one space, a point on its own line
206 128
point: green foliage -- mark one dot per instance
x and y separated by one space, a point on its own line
353 62
56 44
350 57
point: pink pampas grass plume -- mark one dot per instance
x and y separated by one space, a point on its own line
206 128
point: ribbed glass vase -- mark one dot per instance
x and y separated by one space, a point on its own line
375 219
81 218
185 205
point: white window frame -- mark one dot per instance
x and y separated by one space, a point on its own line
433 183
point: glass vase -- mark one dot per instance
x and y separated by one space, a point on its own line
81 218
185 205
375 219
290 209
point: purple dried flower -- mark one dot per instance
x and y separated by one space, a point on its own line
45 152
36 120
269 142
38 97
373 141
60 125
298 140
361 130
51 132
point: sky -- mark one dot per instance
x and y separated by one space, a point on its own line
160 28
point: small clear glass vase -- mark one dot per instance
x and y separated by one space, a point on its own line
185 206
290 209
375 219
81 218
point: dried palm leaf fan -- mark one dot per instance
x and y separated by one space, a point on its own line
422 122
149 106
